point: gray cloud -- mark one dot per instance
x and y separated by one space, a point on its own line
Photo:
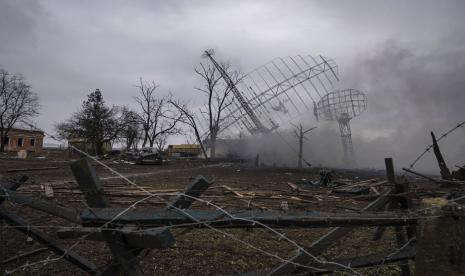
408 56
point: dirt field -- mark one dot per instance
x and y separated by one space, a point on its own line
200 251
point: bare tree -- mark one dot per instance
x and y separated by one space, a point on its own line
160 142
219 97
157 116
131 128
190 120
17 103
299 132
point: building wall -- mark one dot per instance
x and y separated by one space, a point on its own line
82 144
184 150
24 140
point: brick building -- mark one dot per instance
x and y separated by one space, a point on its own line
24 139
184 151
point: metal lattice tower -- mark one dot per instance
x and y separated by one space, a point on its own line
342 106
275 93
258 126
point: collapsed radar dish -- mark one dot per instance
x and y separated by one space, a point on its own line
342 106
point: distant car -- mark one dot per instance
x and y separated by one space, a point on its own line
149 159
149 156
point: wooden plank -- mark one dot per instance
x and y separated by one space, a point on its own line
36 234
324 242
31 169
159 217
46 206
379 232
391 176
160 238
400 231
194 189
12 186
89 183
444 170
365 261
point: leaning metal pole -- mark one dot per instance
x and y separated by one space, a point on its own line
259 127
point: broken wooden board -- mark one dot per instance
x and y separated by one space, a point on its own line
152 216
159 238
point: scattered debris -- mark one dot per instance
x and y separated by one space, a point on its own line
326 177
48 190
31 169
22 154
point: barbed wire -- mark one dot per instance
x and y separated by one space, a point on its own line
429 147
208 203
232 216
397 250
151 195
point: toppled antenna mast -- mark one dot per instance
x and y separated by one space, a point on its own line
258 126
276 93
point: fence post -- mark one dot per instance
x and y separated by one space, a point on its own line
441 244
400 233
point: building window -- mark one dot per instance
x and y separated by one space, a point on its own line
20 141
33 142
6 140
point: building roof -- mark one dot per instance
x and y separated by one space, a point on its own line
38 131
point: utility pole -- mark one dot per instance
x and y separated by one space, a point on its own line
299 132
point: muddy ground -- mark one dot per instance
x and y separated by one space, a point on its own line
200 251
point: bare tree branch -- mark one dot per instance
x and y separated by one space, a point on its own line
190 120
156 115
219 98
17 103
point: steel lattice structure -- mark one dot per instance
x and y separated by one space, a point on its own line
342 106
275 93
257 124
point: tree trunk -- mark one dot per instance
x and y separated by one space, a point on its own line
98 150
213 146
199 140
128 144
2 137
301 141
145 139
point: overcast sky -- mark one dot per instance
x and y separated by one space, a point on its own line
408 56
